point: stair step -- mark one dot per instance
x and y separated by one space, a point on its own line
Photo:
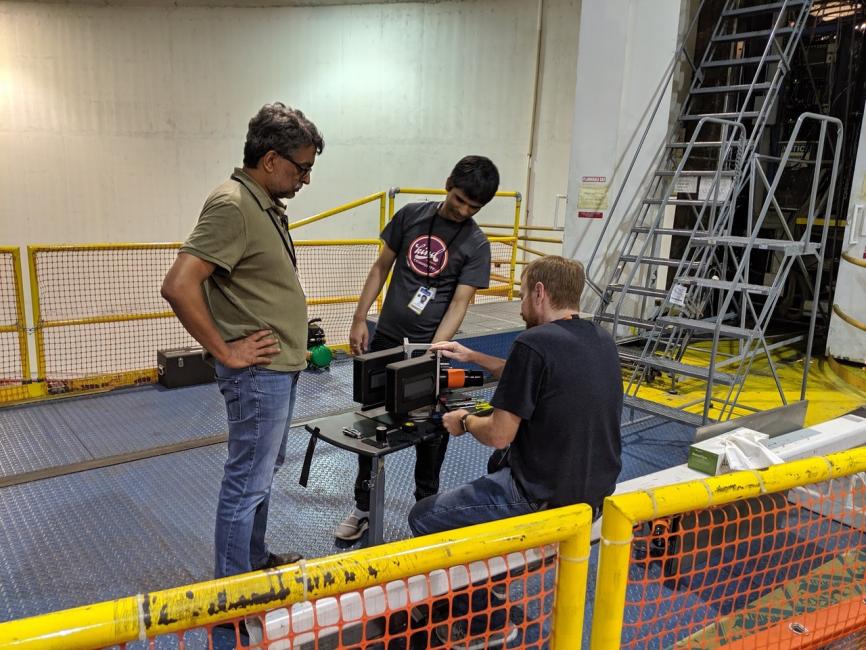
692 202
697 145
785 246
637 290
687 370
658 261
744 36
696 172
627 320
726 285
728 331
721 116
748 60
669 412
629 354
673 232
759 9
735 88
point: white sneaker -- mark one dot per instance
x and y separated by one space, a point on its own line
352 527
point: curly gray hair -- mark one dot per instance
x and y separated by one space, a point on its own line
281 128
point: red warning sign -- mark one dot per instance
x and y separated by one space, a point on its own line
588 214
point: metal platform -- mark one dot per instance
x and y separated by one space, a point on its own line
148 524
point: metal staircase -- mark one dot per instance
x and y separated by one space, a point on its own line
683 274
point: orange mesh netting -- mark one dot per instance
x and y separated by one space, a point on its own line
779 571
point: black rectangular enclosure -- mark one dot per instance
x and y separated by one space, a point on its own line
183 367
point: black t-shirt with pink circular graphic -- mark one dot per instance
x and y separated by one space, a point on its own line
435 253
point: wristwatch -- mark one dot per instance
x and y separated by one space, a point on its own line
463 419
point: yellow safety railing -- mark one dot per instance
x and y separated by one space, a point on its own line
202 605
54 267
746 513
527 238
508 289
378 196
16 385
333 212
98 317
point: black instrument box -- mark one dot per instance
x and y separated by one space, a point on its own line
183 367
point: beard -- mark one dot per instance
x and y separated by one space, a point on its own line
529 319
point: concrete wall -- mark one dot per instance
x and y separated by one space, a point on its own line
116 121
623 52
844 340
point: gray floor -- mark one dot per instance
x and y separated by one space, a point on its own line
146 525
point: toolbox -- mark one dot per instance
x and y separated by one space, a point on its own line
183 367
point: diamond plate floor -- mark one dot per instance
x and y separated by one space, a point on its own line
72 430
148 524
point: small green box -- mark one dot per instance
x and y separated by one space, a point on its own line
708 456
708 461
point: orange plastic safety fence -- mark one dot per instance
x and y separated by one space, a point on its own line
785 570
499 602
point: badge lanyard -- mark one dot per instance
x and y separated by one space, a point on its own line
447 245
287 240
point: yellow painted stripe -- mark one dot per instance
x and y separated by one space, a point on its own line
860 325
853 260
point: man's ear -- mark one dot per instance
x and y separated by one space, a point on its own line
449 184
267 161
539 291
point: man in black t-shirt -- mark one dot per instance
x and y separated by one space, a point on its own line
440 258
556 409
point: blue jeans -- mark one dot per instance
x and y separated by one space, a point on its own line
491 497
259 405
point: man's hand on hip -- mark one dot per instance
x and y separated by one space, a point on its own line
257 349
452 423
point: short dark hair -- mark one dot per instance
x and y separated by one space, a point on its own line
281 128
477 176
563 279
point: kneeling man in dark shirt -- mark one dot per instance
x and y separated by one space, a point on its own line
556 411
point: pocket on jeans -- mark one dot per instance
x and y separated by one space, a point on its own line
231 390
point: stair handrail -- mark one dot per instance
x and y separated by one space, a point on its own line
825 121
728 143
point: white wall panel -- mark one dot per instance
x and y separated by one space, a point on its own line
844 341
115 122
624 49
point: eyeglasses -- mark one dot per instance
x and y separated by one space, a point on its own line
303 170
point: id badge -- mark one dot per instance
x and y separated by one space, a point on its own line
421 298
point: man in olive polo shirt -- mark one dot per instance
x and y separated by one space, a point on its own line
234 286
